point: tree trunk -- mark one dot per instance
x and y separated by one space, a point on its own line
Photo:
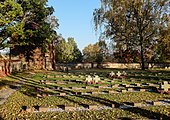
53 56
142 55
142 59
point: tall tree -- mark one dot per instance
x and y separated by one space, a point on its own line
135 24
90 53
10 18
67 51
37 28
77 56
64 52
163 47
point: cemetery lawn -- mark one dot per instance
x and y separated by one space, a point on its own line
43 88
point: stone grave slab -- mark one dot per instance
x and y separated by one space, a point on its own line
88 87
50 76
100 87
130 89
39 95
156 102
44 94
75 93
110 91
60 82
122 90
43 109
91 106
150 84
29 109
93 92
138 84
68 107
127 85
114 85
62 94
142 89
73 88
113 105
144 84
133 80
42 81
36 108
135 104
58 87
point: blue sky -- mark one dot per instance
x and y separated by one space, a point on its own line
76 19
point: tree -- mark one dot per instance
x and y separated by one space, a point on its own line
77 56
163 47
134 24
90 52
38 25
64 52
10 17
67 51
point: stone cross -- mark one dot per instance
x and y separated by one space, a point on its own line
112 74
96 79
124 73
118 73
88 79
165 85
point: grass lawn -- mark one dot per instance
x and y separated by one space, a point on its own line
27 95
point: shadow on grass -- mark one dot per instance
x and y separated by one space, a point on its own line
6 83
141 111
147 113
136 110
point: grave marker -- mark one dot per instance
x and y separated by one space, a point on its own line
68 107
165 85
43 109
112 74
110 91
62 94
96 79
92 107
118 73
156 102
88 79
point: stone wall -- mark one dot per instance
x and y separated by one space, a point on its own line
7 67
112 65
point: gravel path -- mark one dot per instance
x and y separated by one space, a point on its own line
4 94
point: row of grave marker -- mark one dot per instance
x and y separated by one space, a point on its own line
95 92
94 106
164 85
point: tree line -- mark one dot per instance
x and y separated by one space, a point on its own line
131 31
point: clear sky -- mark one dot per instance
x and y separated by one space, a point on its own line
76 19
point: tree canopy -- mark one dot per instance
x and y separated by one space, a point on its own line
30 25
67 51
133 24
11 14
